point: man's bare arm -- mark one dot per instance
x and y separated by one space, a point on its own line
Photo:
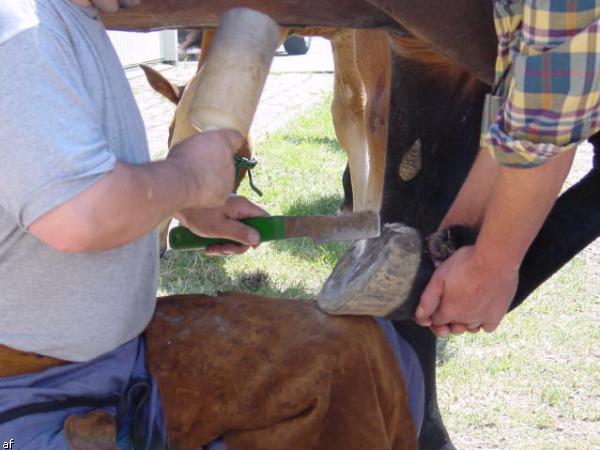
471 202
475 286
518 206
131 200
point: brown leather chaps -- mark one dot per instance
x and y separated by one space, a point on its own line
275 374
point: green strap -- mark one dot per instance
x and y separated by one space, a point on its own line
248 164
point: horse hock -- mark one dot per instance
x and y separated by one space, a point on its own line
385 276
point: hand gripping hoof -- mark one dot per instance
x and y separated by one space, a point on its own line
385 276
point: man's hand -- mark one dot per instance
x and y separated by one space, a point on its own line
206 164
223 222
466 293
475 286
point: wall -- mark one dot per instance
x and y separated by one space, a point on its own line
136 48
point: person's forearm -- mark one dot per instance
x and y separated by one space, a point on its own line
517 208
470 204
123 205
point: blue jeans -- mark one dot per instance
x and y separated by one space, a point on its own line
33 407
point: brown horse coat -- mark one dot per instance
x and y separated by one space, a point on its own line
275 374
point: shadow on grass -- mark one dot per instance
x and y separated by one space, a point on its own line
306 248
193 272
445 351
327 205
184 272
329 143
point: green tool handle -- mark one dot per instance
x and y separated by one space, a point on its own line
270 228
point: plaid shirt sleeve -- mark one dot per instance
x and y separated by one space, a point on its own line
550 49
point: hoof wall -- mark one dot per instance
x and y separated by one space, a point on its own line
383 277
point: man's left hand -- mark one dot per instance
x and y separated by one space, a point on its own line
224 222
466 293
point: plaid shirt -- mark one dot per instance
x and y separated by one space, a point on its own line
548 69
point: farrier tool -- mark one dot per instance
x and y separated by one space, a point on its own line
359 225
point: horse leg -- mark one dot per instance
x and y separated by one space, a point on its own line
435 116
208 34
573 223
373 59
347 111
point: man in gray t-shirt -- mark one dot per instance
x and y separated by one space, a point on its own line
79 203
79 199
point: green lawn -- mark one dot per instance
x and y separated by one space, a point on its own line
534 384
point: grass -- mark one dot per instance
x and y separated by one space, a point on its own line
533 384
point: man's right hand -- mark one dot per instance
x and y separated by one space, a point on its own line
206 164
224 222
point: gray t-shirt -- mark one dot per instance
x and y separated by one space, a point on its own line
66 115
